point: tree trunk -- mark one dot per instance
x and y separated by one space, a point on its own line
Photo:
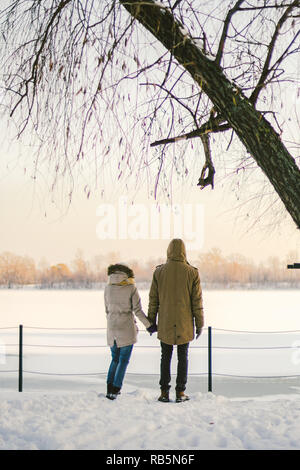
254 131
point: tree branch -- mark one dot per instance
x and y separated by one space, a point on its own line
207 128
264 7
225 30
175 98
33 78
266 70
176 4
257 134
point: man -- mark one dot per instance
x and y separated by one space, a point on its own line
176 298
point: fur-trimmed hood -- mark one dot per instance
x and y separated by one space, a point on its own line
123 268
120 274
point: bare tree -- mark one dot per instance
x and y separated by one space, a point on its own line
94 78
16 269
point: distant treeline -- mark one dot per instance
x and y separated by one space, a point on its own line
215 270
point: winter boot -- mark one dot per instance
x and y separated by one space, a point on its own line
180 396
164 396
109 390
115 391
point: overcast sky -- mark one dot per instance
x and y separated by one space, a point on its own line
33 225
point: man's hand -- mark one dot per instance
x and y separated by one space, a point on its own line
152 329
198 332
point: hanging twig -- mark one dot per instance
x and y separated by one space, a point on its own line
209 179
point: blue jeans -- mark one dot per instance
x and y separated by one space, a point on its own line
119 361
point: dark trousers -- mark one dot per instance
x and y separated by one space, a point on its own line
165 366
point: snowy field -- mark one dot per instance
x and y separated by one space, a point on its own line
87 420
255 403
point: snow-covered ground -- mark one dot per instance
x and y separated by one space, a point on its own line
255 402
72 412
136 420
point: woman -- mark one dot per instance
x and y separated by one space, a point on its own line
122 301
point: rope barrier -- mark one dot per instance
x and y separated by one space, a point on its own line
98 373
9 328
156 347
211 347
259 332
145 331
71 329
195 374
64 346
262 348
60 374
259 376
258 347
95 346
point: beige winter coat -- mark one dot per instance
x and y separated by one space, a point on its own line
176 297
122 302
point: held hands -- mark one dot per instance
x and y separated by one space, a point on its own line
198 332
152 329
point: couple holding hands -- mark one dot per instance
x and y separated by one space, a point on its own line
175 310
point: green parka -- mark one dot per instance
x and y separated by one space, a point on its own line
176 297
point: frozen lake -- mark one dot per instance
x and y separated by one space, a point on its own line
260 310
255 334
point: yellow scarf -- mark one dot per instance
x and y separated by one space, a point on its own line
126 282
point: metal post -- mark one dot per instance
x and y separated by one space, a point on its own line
209 360
20 358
